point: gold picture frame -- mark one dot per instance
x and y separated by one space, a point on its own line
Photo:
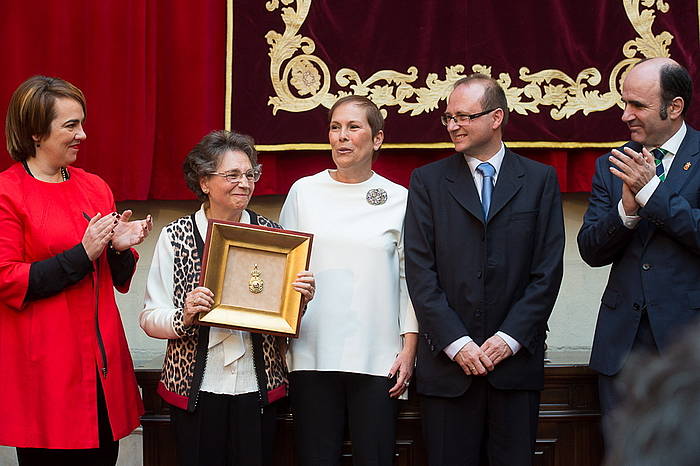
250 268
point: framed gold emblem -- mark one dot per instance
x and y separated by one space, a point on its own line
250 270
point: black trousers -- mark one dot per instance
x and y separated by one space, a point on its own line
225 430
105 455
320 402
483 424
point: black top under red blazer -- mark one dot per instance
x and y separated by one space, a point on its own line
470 277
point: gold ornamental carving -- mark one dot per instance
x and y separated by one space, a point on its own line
302 81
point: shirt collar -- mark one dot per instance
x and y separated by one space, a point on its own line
674 142
496 160
203 224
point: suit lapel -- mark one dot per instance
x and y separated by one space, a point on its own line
509 182
685 163
461 186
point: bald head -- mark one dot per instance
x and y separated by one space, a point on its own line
672 79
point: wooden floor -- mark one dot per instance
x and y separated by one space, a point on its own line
568 434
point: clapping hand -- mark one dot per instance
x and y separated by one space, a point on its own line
635 169
98 234
130 233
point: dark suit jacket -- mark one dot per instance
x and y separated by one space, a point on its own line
470 277
656 265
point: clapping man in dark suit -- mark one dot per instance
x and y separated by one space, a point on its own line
484 240
644 219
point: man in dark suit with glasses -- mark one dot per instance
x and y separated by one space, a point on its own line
484 240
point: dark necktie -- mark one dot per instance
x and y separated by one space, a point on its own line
487 171
659 154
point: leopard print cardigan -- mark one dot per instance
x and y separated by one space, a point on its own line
185 357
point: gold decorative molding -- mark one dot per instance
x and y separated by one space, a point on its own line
292 63
447 145
302 81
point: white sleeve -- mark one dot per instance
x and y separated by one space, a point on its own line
157 317
510 341
644 194
629 221
289 216
453 348
408 323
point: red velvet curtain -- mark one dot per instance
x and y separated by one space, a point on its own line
154 71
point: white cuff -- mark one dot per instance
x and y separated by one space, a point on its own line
453 348
644 194
629 221
510 341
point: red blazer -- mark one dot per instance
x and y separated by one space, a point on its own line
49 348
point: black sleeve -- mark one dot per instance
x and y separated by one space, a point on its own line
53 275
121 264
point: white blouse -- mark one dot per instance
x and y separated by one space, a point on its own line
361 306
229 369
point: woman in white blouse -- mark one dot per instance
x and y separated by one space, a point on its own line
220 383
356 349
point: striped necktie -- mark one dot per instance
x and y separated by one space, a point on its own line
659 154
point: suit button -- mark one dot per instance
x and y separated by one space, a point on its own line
646 267
611 230
478 274
635 306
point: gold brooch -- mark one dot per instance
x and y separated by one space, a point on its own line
256 283
687 166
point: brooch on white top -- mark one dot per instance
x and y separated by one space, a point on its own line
376 196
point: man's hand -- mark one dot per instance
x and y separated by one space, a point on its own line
629 202
496 349
473 360
635 169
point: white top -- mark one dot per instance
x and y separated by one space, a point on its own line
229 369
361 306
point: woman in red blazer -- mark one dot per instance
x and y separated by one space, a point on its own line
68 388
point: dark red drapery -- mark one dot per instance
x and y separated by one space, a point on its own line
152 73
154 76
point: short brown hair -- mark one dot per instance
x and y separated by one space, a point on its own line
374 116
31 112
205 156
494 96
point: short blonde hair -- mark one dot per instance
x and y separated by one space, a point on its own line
31 112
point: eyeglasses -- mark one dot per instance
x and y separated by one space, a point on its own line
462 118
235 176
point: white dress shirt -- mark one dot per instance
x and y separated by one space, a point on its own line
496 161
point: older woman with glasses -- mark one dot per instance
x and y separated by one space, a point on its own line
220 383
357 346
